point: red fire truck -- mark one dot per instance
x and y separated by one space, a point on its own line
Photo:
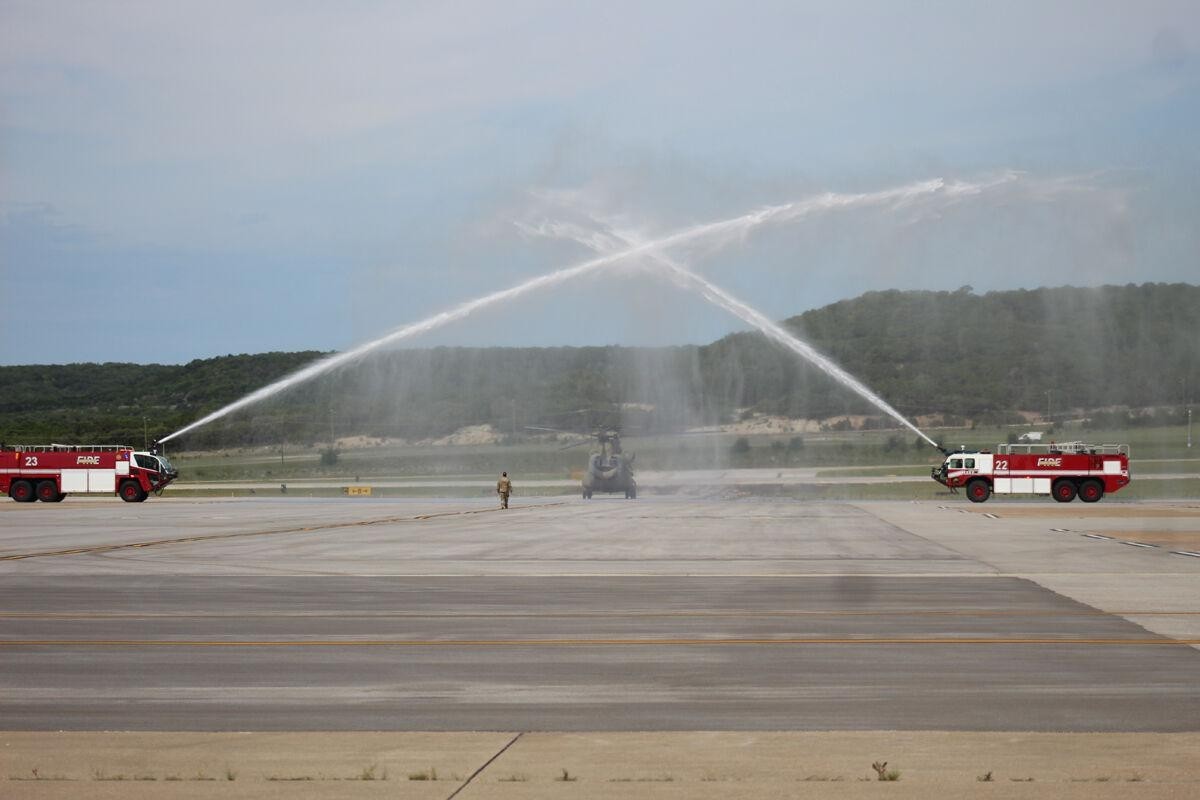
51 472
1064 471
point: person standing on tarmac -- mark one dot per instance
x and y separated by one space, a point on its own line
504 489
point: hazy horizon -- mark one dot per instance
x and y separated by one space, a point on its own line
185 181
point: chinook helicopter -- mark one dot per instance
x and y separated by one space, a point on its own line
608 471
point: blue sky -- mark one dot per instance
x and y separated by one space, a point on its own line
182 180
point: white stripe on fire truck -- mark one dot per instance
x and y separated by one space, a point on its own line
1031 473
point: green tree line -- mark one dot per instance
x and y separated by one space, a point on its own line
959 354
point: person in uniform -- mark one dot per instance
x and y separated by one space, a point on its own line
504 489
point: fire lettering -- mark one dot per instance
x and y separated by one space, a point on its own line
1049 462
88 460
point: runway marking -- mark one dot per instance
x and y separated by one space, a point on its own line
108 548
1185 553
1097 536
992 516
1138 544
568 642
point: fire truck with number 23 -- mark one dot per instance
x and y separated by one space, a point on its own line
51 472
1064 471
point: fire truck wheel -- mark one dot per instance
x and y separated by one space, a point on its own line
978 490
22 492
1064 490
131 492
1090 491
47 491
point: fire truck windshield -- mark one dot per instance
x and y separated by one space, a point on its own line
158 464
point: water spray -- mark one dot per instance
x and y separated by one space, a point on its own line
685 278
720 232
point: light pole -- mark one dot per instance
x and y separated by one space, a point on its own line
1184 399
145 435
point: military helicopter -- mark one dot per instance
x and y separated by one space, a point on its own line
608 471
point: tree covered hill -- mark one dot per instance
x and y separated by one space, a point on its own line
952 353
970 355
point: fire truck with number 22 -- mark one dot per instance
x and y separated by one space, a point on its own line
51 472
1064 471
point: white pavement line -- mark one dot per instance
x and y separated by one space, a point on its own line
1097 536
992 516
1138 544
486 764
1061 530
1185 553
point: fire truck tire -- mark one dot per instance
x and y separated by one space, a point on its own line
131 492
47 491
1091 490
22 492
978 490
1064 490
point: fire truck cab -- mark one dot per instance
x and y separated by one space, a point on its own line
1063 470
51 472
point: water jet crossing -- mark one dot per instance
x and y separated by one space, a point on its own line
719 232
714 294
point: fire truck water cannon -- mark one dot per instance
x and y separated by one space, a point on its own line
1064 470
50 472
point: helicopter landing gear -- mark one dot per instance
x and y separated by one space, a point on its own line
587 495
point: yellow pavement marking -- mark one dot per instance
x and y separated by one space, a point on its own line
106 548
666 642
89 615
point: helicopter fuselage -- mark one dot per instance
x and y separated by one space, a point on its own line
609 470
608 474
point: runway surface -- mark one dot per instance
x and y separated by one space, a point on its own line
344 614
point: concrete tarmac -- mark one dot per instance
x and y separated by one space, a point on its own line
373 614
